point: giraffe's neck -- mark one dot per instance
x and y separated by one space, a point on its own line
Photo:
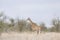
31 22
33 25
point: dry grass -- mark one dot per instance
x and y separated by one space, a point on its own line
30 36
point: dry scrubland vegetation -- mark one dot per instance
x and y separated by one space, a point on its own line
20 29
30 36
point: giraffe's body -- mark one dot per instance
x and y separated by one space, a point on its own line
34 26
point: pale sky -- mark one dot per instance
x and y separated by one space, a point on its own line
38 10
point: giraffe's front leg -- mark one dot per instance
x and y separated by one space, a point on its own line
37 31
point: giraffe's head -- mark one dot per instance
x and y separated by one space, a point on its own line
29 20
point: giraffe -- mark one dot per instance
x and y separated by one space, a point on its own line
34 26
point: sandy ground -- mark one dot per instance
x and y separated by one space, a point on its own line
30 36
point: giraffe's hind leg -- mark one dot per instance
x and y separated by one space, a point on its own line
39 31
